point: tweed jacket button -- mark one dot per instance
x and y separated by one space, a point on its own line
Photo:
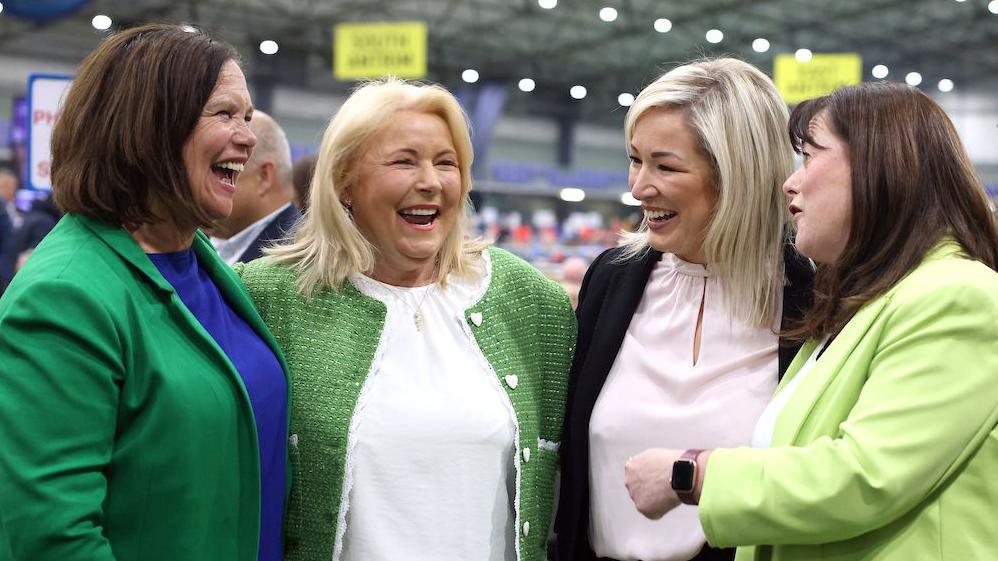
476 318
526 529
511 380
526 454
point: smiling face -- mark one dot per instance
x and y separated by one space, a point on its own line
220 143
671 177
407 197
820 194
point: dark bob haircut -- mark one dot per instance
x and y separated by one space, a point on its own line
117 145
912 185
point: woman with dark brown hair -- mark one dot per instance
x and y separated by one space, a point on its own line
144 403
881 441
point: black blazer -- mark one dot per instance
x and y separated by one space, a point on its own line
275 230
610 293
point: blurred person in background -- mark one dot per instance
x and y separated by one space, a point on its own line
429 369
678 328
10 219
144 402
9 185
34 226
881 443
304 169
262 209
573 270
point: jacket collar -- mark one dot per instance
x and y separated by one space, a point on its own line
122 243
838 351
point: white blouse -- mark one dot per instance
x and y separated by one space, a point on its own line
433 475
762 436
655 396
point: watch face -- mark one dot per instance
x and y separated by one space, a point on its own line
683 474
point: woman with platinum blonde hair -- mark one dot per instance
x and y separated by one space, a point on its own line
678 328
881 441
429 371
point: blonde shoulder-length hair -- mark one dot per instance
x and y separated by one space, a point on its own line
740 121
327 246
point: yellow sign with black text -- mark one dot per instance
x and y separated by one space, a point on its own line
373 50
821 75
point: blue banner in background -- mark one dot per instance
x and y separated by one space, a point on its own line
42 11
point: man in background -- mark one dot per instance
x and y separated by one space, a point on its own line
8 190
262 209
28 231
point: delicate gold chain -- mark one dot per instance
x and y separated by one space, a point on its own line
417 314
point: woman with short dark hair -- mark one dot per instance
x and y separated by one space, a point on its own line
881 441
144 403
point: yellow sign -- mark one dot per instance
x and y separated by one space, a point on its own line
373 50
821 75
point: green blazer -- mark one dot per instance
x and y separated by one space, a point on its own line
127 432
888 449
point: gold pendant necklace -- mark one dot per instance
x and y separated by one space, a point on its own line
417 313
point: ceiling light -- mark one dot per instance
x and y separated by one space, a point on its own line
913 78
629 200
578 92
101 22
470 75
268 47
803 55
189 28
625 99
715 36
663 25
945 85
572 194
527 85
608 14
993 6
760 45
880 71
1 7
547 4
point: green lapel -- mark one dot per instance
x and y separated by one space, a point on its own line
800 405
808 392
122 243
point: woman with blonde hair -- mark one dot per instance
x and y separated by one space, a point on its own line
882 441
678 327
429 370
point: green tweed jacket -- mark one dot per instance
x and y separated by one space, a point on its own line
523 325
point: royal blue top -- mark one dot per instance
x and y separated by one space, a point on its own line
261 373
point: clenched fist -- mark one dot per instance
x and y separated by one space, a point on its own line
648 478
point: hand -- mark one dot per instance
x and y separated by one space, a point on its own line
648 477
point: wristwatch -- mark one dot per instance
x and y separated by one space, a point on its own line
684 476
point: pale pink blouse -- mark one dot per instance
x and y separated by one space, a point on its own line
655 396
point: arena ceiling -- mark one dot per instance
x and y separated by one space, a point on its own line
569 44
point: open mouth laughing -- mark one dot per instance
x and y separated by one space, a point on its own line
421 217
227 172
657 218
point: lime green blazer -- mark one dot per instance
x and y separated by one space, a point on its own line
888 449
127 433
